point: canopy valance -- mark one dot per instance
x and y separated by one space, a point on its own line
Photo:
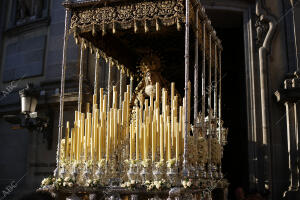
128 15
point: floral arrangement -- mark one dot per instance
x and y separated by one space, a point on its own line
57 182
129 184
187 183
67 182
158 185
48 181
93 183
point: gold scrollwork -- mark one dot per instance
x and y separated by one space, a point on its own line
168 12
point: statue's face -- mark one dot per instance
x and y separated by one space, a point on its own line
149 84
149 78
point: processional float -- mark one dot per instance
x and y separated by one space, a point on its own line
138 138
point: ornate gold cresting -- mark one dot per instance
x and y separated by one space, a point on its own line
166 13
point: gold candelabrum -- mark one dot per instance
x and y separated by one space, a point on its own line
125 145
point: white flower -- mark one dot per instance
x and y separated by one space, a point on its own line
147 182
132 182
89 181
184 183
67 179
64 184
189 183
46 181
151 186
158 185
70 184
123 185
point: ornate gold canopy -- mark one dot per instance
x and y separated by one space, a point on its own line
100 21
126 15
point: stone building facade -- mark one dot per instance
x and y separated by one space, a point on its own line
261 42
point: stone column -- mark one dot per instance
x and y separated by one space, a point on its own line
292 140
290 98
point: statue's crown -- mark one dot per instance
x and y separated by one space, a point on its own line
150 63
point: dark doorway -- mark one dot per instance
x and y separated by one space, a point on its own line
229 28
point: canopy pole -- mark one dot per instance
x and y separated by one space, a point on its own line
80 76
97 63
131 86
209 107
187 18
121 85
109 83
215 84
196 68
203 76
62 90
220 95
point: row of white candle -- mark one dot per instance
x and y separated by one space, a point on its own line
97 135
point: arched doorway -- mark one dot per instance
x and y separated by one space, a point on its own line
230 28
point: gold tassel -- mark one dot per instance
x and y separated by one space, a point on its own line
76 40
146 27
94 31
135 27
114 28
84 44
178 24
122 69
157 25
112 62
98 54
103 29
127 71
91 48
